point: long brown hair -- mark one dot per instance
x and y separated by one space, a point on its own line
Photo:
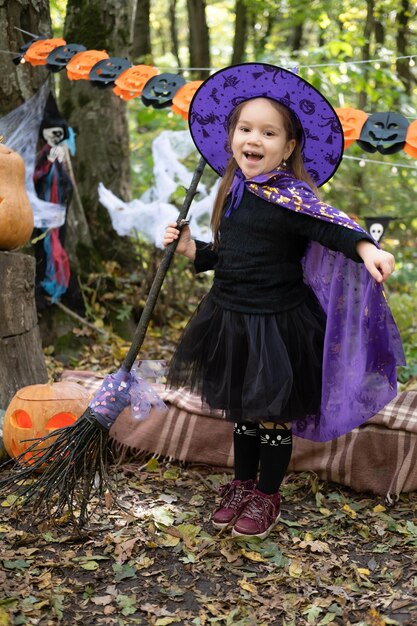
295 162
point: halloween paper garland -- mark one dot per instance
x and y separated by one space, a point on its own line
126 80
386 132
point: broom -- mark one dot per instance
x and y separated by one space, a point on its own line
69 466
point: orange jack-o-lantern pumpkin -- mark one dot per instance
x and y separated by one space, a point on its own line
16 215
130 83
80 66
352 121
38 52
410 146
182 99
38 410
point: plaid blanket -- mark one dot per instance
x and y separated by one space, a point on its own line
379 456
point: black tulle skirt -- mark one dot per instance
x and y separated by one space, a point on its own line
255 367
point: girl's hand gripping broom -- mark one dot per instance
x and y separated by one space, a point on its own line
73 464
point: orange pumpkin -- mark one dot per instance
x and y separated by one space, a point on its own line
410 146
130 83
16 215
38 52
38 410
352 121
182 99
80 65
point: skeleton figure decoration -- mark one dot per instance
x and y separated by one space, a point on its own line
52 183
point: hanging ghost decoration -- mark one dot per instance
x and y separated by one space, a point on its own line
385 132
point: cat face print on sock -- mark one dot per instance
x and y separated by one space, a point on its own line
242 429
276 438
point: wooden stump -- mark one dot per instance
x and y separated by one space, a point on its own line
22 360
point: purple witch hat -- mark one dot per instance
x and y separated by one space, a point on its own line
216 98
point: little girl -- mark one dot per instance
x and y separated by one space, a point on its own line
295 334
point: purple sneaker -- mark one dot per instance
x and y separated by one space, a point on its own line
233 494
259 515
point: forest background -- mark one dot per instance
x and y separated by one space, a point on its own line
359 53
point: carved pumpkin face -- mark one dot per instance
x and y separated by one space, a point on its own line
38 410
25 48
80 66
39 51
182 99
352 121
131 82
410 146
104 73
384 132
159 90
62 55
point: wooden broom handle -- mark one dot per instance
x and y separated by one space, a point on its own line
161 272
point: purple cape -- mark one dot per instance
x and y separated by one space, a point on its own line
362 345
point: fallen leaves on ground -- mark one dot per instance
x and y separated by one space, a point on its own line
335 558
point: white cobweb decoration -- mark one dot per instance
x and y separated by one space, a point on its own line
150 214
20 130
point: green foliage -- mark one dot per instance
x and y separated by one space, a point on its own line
58 9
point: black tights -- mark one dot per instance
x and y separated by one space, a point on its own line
266 446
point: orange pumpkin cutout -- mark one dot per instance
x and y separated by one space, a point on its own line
410 146
182 99
38 410
16 214
81 64
131 82
352 121
38 52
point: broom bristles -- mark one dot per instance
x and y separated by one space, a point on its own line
66 473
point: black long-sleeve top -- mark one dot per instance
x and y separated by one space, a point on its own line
257 266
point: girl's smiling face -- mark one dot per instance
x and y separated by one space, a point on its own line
259 142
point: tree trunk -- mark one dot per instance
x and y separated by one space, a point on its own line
21 358
379 33
20 82
241 24
174 31
297 37
270 21
99 118
403 65
198 38
22 361
366 48
141 47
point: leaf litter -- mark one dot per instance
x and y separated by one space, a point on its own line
336 558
